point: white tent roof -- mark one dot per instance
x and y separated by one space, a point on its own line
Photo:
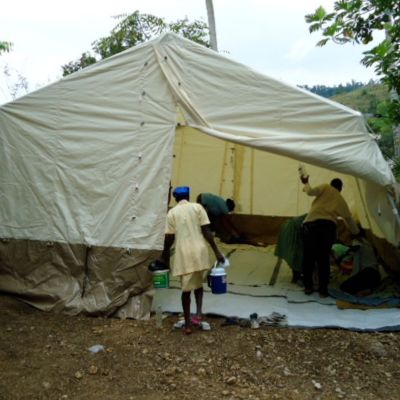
89 158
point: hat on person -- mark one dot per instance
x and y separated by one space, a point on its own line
181 190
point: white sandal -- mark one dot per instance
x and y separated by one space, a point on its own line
180 324
205 326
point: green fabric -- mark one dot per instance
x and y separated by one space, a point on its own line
340 250
290 243
214 204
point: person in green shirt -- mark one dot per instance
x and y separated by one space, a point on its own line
218 210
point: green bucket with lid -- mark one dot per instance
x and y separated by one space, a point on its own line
161 279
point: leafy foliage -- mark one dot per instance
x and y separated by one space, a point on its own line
381 122
73 66
357 21
17 84
5 47
134 29
329 91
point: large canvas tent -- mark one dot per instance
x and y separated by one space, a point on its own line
85 167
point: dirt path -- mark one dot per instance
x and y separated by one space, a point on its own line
46 356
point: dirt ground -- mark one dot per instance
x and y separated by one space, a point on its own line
47 356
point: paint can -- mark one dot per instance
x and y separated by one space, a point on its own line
217 280
161 279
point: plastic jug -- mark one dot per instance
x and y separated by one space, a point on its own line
217 280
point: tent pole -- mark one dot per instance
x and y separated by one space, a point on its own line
252 180
223 169
395 209
275 273
211 25
363 202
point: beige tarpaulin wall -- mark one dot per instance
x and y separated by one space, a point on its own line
87 162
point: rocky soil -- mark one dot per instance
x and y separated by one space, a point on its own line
47 356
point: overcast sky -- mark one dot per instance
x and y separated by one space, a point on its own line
270 36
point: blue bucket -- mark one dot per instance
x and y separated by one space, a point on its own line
217 281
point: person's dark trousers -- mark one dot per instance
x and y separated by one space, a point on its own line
319 237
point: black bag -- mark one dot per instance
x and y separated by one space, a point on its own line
157 265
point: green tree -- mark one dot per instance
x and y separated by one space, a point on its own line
357 21
73 66
381 123
5 47
134 29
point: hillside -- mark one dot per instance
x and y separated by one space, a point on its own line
364 99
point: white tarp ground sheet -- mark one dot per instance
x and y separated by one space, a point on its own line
249 292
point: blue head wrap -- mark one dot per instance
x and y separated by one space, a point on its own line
181 190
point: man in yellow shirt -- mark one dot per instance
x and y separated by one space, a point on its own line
319 228
189 227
